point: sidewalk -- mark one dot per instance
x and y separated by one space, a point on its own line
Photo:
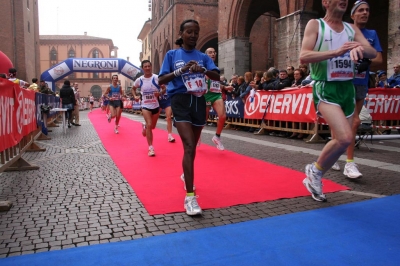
79 198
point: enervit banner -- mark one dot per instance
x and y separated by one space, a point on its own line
384 104
17 113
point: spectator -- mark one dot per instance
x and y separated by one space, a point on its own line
281 83
236 90
382 80
245 88
233 86
67 100
13 78
290 71
257 77
77 104
34 85
299 76
394 80
304 67
268 78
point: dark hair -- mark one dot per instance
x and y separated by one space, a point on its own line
12 70
66 82
2 75
283 71
302 74
179 41
144 62
34 80
115 75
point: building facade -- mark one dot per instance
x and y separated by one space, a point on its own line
19 34
145 38
55 49
251 35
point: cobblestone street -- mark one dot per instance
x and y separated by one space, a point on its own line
78 197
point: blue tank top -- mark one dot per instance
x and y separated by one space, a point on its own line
114 93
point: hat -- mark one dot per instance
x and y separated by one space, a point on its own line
381 73
356 5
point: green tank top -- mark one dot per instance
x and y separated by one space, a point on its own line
339 68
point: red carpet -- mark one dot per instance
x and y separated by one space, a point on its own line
222 178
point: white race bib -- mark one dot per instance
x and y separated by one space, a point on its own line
194 82
215 86
115 96
340 68
148 98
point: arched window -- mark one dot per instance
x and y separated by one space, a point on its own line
71 53
53 54
95 53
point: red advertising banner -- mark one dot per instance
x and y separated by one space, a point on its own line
384 104
17 113
291 104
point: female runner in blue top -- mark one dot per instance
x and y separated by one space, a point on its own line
184 70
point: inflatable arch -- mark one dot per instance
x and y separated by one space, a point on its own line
99 65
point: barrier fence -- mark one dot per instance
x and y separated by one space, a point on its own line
22 122
288 110
292 110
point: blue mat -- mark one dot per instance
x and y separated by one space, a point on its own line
363 233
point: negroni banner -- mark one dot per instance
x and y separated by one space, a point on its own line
294 105
384 104
17 113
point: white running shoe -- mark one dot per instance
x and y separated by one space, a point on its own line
171 139
116 130
217 141
184 184
191 206
336 166
151 152
313 183
144 129
351 170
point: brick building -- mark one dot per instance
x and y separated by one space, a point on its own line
19 34
255 35
145 38
55 49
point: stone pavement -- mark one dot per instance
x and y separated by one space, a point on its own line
78 197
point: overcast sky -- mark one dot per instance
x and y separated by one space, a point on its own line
119 20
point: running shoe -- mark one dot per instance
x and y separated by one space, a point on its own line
116 130
109 118
336 166
144 129
171 139
151 152
313 183
351 170
217 141
191 206
184 185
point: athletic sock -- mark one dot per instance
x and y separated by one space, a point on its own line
190 194
318 167
218 135
349 160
